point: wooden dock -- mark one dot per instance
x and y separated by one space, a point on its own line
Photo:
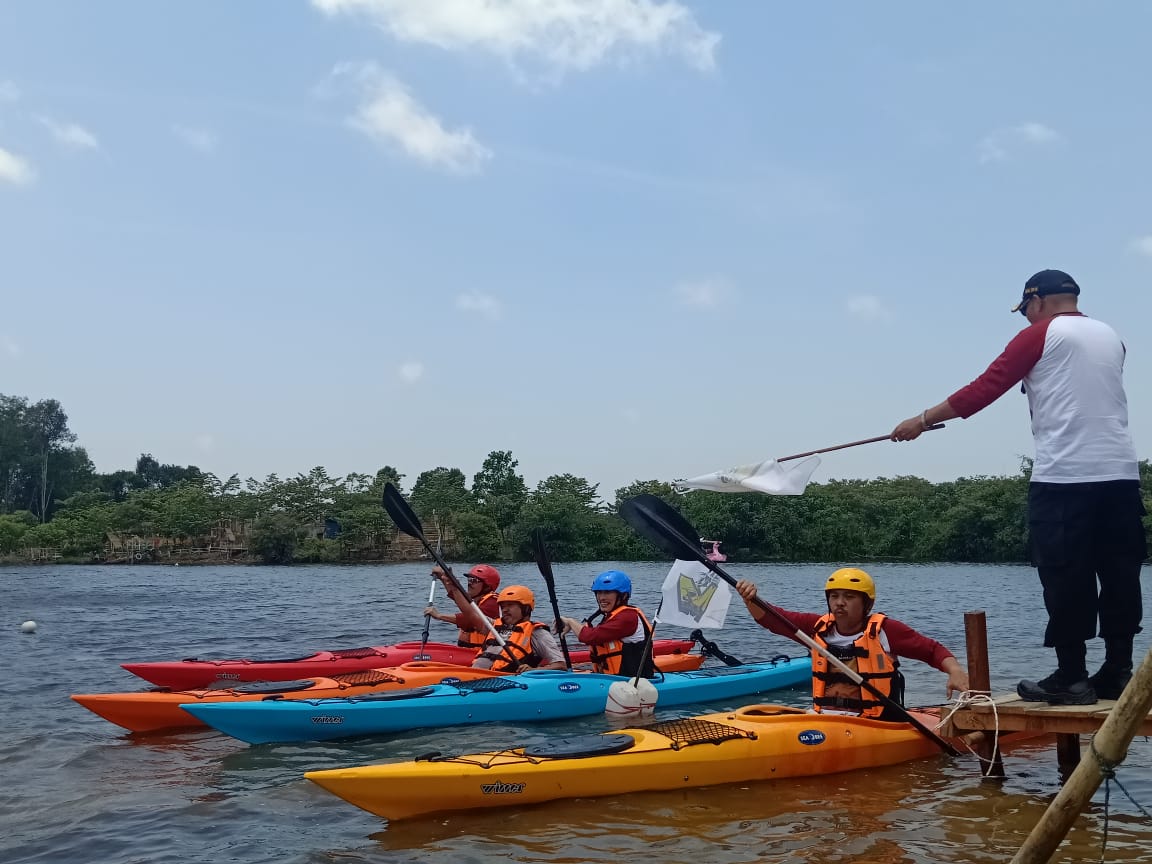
1013 714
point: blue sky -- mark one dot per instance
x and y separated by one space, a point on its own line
624 239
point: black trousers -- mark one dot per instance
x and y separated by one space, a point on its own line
1083 535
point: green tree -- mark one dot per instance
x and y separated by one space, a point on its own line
440 495
478 537
499 491
274 538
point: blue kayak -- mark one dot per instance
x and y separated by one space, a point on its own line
535 695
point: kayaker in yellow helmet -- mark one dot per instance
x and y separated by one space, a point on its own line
869 642
531 643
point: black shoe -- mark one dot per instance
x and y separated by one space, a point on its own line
1110 681
1058 689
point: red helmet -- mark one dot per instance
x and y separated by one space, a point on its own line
487 574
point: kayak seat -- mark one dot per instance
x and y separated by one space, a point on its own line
489 685
580 746
683 733
254 687
394 695
369 677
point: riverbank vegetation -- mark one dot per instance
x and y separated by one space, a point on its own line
54 504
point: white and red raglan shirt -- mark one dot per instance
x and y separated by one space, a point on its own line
1072 367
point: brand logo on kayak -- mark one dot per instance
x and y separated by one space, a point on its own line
568 687
227 676
499 788
421 656
450 680
810 737
328 719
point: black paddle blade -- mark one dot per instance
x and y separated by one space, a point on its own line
540 553
405 519
662 526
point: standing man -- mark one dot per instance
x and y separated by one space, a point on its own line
1084 504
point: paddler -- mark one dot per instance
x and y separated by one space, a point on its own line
483 580
617 632
868 642
527 645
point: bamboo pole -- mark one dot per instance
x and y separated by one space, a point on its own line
1111 747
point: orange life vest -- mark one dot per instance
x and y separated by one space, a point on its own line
623 658
475 638
517 641
831 688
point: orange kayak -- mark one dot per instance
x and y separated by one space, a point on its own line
156 710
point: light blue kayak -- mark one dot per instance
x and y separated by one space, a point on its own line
534 695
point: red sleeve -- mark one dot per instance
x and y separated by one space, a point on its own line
1006 371
803 621
615 628
490 607
906 642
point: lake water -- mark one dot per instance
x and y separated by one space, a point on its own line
78 789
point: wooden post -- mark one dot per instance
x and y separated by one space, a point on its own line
1111 747
980 680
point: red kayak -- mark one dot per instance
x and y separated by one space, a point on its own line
195 673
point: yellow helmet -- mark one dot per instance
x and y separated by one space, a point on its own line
851 579
517 594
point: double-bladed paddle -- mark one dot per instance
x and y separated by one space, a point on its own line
656 521
540 553
409 523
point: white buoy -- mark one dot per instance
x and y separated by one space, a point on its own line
28 627
627 700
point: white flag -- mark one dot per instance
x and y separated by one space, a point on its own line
769 477
693 596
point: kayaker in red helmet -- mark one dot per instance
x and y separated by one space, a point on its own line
527 645
869 642
483 580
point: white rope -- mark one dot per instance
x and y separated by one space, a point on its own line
977 697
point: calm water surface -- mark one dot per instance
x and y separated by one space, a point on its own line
77 788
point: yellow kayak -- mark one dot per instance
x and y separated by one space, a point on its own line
757 742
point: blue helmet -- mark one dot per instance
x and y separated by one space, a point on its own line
613 580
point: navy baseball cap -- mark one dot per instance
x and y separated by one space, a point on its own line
1047 282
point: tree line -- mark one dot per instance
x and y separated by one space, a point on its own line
52 496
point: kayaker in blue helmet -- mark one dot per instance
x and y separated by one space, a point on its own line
618 641
868 642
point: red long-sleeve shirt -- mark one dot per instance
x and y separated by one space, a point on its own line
621 625
902 639
490 607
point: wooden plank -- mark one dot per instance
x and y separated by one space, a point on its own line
1013 714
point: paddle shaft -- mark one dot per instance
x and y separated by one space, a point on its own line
545 568
427 618
850 444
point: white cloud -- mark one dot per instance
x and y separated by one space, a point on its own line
15 170
1000 144
704 293
562 34
411 371
867 307
71 134
483 304
9 92
200 140
389 115
1143 245
10 347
